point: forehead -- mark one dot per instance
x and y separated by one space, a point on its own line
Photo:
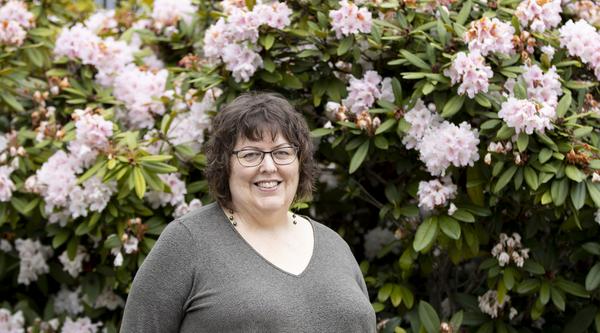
265 140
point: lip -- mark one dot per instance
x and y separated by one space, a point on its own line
267 189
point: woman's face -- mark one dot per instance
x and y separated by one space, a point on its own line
267 187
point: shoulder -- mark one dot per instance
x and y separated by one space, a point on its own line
204 217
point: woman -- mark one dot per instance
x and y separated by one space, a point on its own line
245 263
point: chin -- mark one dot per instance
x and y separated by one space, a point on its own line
272 204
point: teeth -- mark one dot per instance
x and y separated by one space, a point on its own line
267 184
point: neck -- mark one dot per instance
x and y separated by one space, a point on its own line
252 219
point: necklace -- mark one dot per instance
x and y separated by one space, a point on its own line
234 222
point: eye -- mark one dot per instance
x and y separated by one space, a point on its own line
250 155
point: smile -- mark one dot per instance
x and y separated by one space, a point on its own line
267 184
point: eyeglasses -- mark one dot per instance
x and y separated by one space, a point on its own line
253 157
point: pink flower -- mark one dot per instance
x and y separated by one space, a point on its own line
582 40
490 35
420 119
542 87
526 116
448 144
12 33
539 17
434 193
16 11
241 61
471 70
6 184
349 19
168 13
362 94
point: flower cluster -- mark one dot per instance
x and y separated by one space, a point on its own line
102 21
542 87
108 299
109 56
420 118
539 15
471 70
11 323
586 10
489 304
140 90
33 257
375 240
233 40
440 144
526 116
448 144
350 19
184 208
582 40
434 193
510 249
176 197
15 19
6 184
74 267
490 35
167 13
81 325
68 302
362 94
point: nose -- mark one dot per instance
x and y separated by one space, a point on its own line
267 164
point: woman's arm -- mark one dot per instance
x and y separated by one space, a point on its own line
162 285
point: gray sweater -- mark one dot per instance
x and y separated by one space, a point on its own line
202 276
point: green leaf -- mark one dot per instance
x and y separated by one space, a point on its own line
319 132
345 45
407 296
139 182
505 178
544 155
426 233
60 238
582 319
428 317
384 292
571 287
528 286
545 292
453 106
592 280
574 173
533 267
456 321
522 141
359 156
531 177
413 59
449 226
12 102
572 84
464 13
594 192
592 247
268 41
385 126
582 131
463 215
112 241
381 142
505 132
396 296
558 298
545 139
578 195
559 191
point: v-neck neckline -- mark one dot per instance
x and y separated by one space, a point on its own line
312 255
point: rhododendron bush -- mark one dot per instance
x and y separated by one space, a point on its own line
458 149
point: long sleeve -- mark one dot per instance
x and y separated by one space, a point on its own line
162 285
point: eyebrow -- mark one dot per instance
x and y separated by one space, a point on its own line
281 145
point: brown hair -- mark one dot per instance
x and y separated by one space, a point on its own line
251 116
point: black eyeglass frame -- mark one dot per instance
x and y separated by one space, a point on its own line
265 152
